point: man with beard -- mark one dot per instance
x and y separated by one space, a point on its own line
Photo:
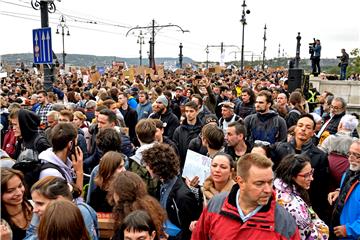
171 122
250 203
345 219
265 124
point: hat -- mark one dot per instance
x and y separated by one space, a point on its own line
134 89
179 88
162 99
210 118
227 105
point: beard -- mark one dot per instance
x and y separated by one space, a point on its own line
354 167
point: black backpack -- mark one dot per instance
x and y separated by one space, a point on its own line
31 166
32 170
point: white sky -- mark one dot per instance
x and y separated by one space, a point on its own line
211 22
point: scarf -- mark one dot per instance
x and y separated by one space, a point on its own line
209 188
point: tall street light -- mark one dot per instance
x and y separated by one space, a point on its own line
63 26
243 22
140 41
263 60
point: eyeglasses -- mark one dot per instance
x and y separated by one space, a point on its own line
335 107
307 175
355 155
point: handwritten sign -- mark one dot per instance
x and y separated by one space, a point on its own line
196 165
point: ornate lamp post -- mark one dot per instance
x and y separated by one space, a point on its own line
63 26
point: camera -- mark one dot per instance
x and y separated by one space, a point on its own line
311 47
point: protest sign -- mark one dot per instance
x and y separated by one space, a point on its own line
196 165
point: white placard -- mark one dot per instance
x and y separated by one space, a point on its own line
196 165
3 74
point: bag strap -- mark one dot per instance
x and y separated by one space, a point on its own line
51 165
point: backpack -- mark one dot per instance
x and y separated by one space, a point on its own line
32 170
31 166
9 142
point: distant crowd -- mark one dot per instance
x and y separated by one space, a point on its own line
113 154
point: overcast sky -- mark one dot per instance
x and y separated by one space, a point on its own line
211 22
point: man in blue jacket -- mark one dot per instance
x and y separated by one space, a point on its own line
346 215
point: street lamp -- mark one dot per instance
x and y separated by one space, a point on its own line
140 41
243 22
207 56
181 56
263 60
63 26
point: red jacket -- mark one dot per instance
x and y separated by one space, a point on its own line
221 220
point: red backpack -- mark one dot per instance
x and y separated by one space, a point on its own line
9 142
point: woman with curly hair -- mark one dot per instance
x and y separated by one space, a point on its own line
175 197
293 177
15 208
128 193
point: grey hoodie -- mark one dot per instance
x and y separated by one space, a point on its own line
49 156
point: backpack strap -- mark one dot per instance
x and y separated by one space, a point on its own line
51 165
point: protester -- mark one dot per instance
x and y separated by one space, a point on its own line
111 164
138 225
128 193
175 197
63 148
265 125
236 215
26 127
293 177
50 189
189 129
303 144
345 218
16 210
220 179
57 228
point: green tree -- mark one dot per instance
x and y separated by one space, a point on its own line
354 66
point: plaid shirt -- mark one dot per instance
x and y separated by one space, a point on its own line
42 111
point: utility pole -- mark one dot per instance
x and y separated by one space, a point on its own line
153 27
140 41
298 44
46 7
207 56
63 26
279 51
243 22
263 60
181 55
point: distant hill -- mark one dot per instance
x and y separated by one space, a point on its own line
100 61
87 60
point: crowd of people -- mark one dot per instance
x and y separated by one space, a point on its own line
283 165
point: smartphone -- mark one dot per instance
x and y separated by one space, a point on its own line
73 150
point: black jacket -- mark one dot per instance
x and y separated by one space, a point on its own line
268 127
183 135
319 187
130 118
29 124
170 120
245 109
182 208
196 146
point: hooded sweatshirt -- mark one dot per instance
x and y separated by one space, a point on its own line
29 123
49 156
